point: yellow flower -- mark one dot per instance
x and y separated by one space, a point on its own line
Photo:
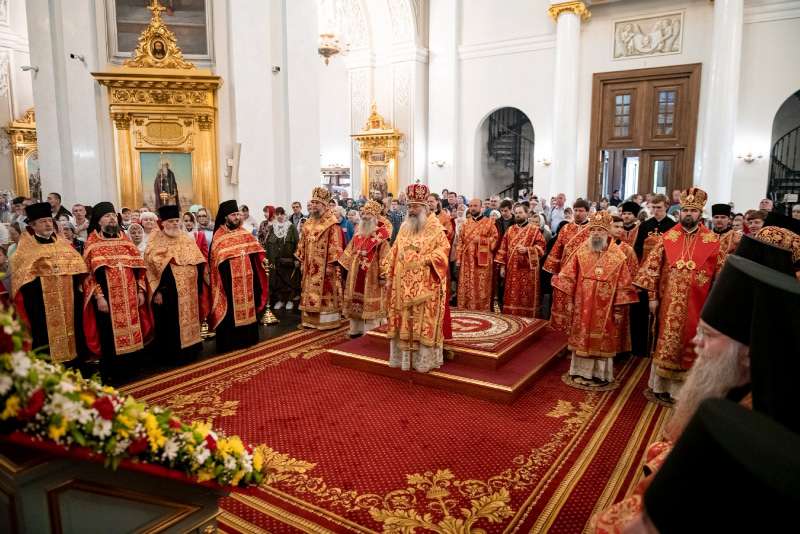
237 477
56 431
109 390
154 434
236 445
258 459
125 421
201 427
205 474
87 398
223 446
12 407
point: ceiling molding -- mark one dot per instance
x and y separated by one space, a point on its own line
771 10
507 46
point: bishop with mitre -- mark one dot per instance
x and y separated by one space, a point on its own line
477 239
364 295
46 273
417 290
599 284
179 296
321 245
239 289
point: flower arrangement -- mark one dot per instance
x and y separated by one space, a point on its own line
50 403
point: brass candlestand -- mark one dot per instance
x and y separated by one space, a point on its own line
268 318
205 333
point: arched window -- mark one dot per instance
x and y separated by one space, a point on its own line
507 157
784 166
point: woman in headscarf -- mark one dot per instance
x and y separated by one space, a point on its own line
136 233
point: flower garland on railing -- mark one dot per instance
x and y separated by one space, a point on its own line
48 402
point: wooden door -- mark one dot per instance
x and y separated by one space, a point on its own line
660 171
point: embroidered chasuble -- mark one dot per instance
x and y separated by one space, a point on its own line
599 286
116 271
416 269
364 298
679 272
629 234
449 225
175 267
321 245
633 267
522 293
45 279
569 240
477 240
238 280
729 240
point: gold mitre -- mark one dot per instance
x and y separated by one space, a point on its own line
372 208
601 219
694 197
320 194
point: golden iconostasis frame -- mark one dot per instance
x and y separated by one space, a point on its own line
22 137
379 145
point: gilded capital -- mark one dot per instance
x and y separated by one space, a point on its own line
121 120
579 8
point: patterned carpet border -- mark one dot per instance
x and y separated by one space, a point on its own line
591 462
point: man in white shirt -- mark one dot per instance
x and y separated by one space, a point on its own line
557 211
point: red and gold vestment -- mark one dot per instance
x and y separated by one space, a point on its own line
522 292
569 240
477 240
364 297
321 245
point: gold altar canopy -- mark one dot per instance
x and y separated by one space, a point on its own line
379 144
164 111
22 136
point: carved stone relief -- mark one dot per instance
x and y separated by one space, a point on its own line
648 36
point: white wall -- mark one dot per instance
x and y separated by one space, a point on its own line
770 74
334 113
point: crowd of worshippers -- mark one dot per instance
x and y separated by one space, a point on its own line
616 277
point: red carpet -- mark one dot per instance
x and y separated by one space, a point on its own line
363 453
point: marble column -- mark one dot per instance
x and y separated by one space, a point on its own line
715 172
563 178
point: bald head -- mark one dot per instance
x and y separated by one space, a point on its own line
475 207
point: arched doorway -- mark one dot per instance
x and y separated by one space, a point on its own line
784 166
505 148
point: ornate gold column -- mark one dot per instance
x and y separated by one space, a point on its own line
22 136
122 141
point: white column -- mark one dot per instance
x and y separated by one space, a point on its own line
443 101
715 173
303 63
72 122
563 178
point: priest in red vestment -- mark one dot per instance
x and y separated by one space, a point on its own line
364 293
568 240
46 274
116 317
448 223
519 258
477 239
618 232
598 282
239 288
677 275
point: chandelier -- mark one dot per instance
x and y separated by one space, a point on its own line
333 21
329 46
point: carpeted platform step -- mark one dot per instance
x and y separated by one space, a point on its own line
504 384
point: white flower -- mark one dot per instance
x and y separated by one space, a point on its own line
5 384
102 428
230 463
121 446
20 363
8 329
170 449
85 415
67 387
201 454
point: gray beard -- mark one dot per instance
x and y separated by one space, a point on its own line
415 223
366 228
597 243
711 376
173 233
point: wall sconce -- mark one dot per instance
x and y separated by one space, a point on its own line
439 162
544 161
749 157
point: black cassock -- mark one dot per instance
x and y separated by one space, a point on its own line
230 337
167 323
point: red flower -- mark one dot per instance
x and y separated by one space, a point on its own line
137 446
35 403
211 443
104 407
175 424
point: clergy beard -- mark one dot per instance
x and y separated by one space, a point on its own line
233 225
597 243
110 229
519 220
366 227
315 214
416 222
172 232
712 376
689 223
